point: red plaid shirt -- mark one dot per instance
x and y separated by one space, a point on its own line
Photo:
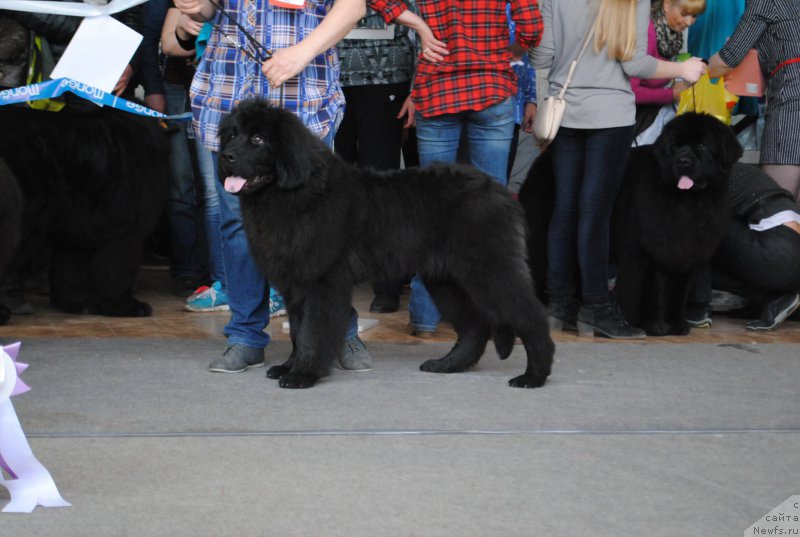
476 73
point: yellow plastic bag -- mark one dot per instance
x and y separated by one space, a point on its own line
40 64
707 97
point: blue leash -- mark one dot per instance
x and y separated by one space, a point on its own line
55 88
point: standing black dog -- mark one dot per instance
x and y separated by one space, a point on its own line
317 226
669 219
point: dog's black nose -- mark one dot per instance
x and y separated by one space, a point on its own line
229 156
684 162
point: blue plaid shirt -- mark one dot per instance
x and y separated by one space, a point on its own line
226 75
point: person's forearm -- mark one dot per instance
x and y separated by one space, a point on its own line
337 23
412 20
717 67
169 41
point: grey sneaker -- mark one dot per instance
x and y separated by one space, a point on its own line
355 356
775 312
236 359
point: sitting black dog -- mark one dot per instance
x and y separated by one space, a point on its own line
669 217
317 226
94 185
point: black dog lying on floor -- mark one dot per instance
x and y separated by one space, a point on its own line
317 226
94 185
668 220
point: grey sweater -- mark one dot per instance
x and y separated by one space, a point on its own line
600 94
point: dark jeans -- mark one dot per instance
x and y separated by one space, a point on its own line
185 218
589 165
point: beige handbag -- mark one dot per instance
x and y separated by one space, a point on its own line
551 110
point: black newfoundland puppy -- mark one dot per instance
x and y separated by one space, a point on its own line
669 218
317 226
10 216
94 185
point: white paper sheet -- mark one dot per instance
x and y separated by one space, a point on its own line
98 53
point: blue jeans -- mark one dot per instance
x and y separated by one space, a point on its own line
488 134
589 165
246 286
211 211
182 213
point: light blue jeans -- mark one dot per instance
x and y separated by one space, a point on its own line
488 133
246 286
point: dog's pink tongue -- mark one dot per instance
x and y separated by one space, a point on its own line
684 184
234 184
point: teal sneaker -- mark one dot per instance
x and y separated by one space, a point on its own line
276 304
208 299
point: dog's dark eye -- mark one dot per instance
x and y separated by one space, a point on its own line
256 139
700 147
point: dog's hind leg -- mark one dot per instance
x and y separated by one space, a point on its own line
472 331
508 302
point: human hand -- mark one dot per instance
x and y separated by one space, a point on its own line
692 69
517 52
189 25
408 110
189 6
199 10
123 81
677 88
433 50
528 115
284 64
156 102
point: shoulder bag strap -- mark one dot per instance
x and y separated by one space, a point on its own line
586 40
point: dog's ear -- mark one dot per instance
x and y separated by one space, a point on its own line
730 150
299 155
663 147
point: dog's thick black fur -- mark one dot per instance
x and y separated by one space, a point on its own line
10 217
668 219
317 226
94 186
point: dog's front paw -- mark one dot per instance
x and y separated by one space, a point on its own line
528 381
295 381
656 328
277 371
680 328
442 365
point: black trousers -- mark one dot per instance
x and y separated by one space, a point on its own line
370 135
757 265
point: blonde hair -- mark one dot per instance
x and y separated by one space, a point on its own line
692 7
616 28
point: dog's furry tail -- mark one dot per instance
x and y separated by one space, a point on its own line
504 338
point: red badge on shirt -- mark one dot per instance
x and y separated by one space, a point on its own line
288 4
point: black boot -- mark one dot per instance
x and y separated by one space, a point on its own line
562 313
606 319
